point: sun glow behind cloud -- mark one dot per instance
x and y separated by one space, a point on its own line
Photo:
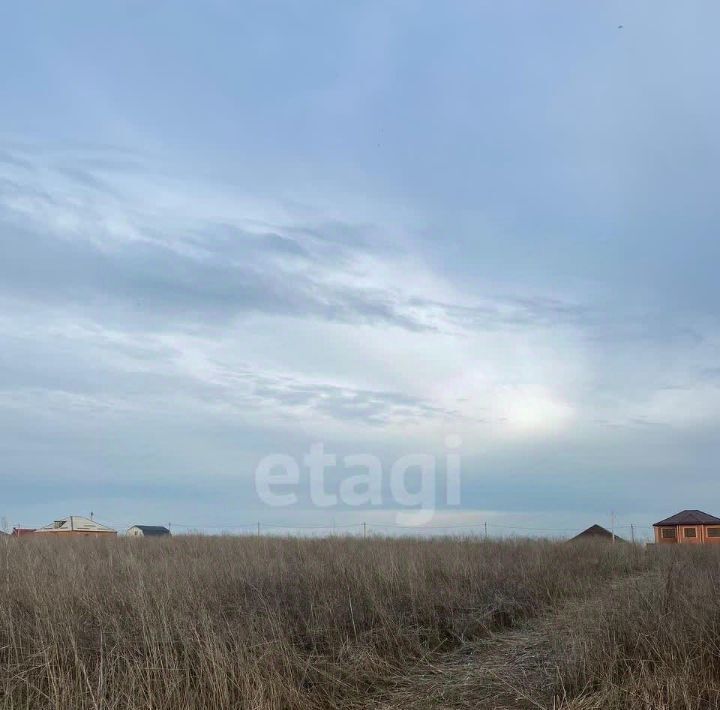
532 412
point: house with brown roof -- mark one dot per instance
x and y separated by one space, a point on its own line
597 532
688 527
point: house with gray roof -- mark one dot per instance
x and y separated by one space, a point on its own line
148 531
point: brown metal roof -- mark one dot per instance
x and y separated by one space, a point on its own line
597 531
689 517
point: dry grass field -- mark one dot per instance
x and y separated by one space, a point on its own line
200 622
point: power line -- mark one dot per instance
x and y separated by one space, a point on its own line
480 526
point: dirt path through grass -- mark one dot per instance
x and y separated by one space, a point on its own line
513 670
503 672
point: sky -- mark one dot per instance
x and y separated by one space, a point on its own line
230 230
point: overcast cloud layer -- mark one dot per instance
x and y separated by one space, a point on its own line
234 229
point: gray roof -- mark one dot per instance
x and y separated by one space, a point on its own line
152 529
690 517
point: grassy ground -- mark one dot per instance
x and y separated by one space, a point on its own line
347 623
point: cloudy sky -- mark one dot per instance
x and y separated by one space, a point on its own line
231 229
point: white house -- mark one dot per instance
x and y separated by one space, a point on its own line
148 531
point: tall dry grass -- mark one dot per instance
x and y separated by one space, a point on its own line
652 642
265 623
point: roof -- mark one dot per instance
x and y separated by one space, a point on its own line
689 517
151 529
75 523
597 531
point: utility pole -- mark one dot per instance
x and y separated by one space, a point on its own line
632 533
485 525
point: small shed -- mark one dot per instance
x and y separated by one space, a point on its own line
22 532
148 531
596 532
688 527
76 526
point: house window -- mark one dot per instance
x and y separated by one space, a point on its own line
668 533
690 532
713 532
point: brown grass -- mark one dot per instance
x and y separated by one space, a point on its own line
199 622
653 643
